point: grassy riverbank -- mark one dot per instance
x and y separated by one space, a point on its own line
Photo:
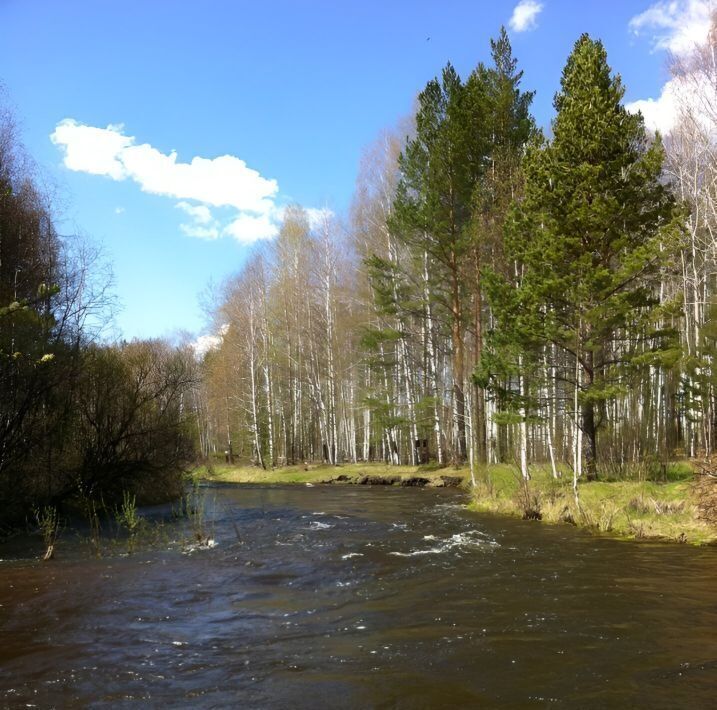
666 509
322 473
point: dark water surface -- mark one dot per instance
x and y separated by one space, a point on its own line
346 597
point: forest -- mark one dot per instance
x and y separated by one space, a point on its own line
498 293
447 439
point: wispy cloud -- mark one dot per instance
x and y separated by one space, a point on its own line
203 225
318 216
199 213
678 26
525 15
675 25
222 182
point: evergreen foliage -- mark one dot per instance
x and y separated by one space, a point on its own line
588 241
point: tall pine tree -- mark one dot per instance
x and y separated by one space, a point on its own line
589 238
432 209
504 110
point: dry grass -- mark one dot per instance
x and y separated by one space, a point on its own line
705 493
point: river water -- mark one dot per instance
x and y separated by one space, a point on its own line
360 597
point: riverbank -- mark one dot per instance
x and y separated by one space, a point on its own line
671 509
354 474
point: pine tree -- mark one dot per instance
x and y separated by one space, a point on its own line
505 112
589 237
433 209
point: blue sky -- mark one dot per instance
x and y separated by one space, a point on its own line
289 92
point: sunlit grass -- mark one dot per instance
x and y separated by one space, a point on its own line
316 473
638 509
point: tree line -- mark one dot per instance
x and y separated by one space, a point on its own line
496 293
80 419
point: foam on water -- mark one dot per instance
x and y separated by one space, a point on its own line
317 525
467 539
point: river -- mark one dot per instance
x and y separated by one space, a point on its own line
360 597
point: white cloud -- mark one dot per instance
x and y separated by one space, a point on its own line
222 181
525 15
681 27
119 210
661 113
202 225
250 228
317 216
675 25
202 185
204 343
225 181
682 95
199 213
92 150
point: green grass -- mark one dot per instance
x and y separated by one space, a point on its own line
634 509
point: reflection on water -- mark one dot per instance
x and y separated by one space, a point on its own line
359 598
